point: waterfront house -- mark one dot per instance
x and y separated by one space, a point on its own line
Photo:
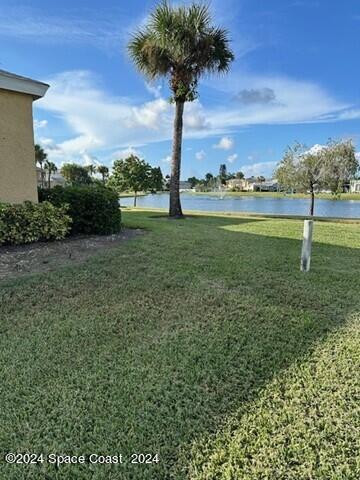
355 186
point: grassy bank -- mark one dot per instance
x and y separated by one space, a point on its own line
199 340
325 196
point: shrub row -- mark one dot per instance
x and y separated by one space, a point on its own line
93 209
31 222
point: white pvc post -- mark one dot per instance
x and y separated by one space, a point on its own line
306 246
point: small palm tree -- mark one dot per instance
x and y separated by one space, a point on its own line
181 44
91 169
50 168
40 158
104 172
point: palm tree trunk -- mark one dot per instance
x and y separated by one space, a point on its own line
41 175
175 205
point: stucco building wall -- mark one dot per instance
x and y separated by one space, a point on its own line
17 157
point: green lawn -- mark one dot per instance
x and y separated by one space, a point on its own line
200 340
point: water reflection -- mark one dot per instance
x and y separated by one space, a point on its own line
254 204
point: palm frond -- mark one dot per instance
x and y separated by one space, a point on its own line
181 42
147 55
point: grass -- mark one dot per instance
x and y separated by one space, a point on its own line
200 340
325 196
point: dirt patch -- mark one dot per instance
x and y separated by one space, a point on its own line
47 256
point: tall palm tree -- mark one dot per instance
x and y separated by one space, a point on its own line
181 44
40 158
50 168
104 172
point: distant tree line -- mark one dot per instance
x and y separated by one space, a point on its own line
47 168
211 181
131 174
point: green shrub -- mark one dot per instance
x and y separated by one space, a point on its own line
93 209
32 222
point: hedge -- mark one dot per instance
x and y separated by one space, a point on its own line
32 222
93 209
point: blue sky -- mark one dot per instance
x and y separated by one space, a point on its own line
296 77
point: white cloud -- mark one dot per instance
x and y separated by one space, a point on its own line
351 114
38 124
125 153
45 142
225 143
296 102
88 159
195 117
200 155
262 168
149 115
155 90
317 148
80 144
101 121
29 23
232 158
167 159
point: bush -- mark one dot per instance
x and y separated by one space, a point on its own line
93 209
32 222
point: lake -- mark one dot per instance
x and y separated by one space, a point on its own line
253 204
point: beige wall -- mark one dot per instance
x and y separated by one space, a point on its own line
17 158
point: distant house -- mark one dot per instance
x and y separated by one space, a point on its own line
17 158
238 184
355 186
250 185
267 186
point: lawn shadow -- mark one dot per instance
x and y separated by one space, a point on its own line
253 315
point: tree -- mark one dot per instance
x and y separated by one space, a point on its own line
131 174
181 44
103 171
223 173
239 175
40 158
91 169
50 168
75 174
340 164
156 179
193 181
167 182
260 179
302 169
209 177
